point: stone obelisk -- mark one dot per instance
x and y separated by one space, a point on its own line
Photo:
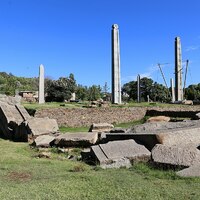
116 82
41 84
172 90
138 89
178 70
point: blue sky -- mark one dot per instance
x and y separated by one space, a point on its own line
74 36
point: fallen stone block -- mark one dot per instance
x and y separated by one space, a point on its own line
171 133
156 127
158 119
101 127
149 140
183 156
41 126
192 171
119 153
190 135
76 139
44 141
10 121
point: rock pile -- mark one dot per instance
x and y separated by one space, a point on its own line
17 125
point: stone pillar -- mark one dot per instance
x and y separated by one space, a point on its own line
138 89
41 84
172 88
178 70
116 82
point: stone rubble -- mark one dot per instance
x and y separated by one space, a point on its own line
167 143
17 125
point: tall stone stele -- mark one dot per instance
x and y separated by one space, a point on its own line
178 70
41 85
116 82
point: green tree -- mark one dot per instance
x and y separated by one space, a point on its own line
81 92
61 89
94 93
156 92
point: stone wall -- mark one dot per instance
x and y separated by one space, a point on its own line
77 117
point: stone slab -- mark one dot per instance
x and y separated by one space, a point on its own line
76 139
170 133
193 171
101 127
179 155
116 151
23 112
43 141
41 126
158 119
149 140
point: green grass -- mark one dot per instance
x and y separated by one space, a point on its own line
52 105
80 105
73 129
23 176
130 124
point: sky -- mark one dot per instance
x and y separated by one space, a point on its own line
74 36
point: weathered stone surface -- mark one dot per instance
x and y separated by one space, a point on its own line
23 112
43 140
9 99
16 124
101 127
198 115
159 119
156 127
11 121
41 126
171 133
76 139
193 171
113 153
149 140
178 155
187 102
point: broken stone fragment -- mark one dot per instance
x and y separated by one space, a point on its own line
176 155
76 139
41 126
193 171
159 119
44 141
101 127
120 153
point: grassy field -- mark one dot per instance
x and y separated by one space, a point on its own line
24 176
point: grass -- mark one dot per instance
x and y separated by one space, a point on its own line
81 104
64 129
23 176
130 124
52 105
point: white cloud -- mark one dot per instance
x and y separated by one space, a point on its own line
148 74
192 48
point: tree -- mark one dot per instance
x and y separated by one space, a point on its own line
130 90
81 92
193 92
94 93
61 89
156 92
